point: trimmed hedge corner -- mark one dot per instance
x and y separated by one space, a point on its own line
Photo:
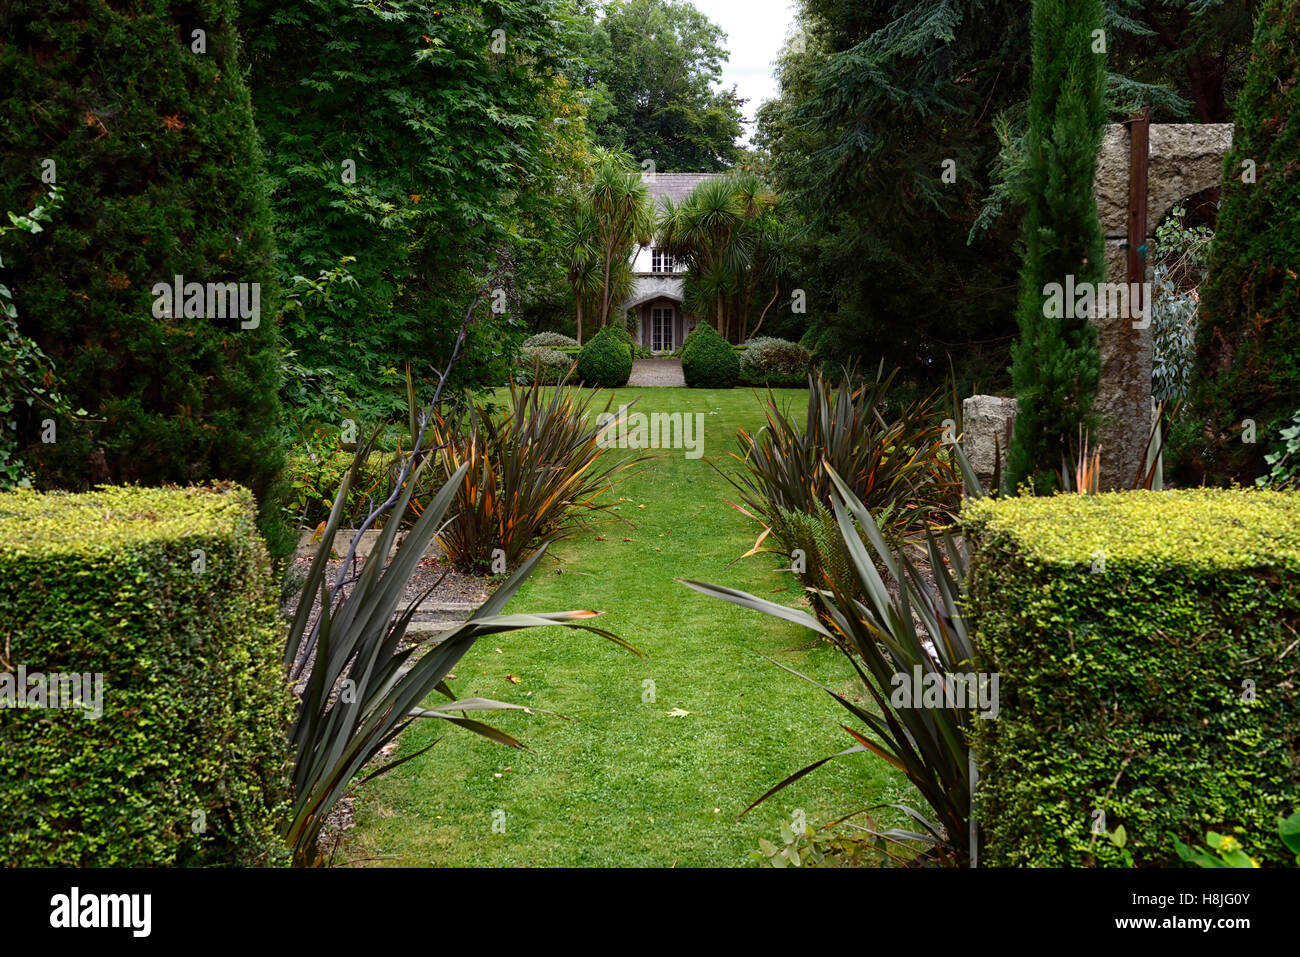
168 594
605 361
1146 648
708 360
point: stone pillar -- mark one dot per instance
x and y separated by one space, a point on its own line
1184 159
986 422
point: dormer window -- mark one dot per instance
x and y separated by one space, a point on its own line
660 261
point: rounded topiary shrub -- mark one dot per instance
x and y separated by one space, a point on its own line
549 340
774 362
605 362
708 361
619 331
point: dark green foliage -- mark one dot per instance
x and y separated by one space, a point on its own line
1144 645
605 362
1056 364
155 148
1249 343
708 361
195 702
26 377
884 93
652 74
459 137
619 331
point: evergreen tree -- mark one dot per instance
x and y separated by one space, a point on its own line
1249 340
139 112
1055 363
653 69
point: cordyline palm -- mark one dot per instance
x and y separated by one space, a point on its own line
714 233
580 236
619 217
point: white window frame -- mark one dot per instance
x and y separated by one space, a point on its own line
661 338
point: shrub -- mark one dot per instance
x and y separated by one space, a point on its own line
26 376
1284 464
550 340
1141 639
774 362
314 472
708 361
168 180
1249 343
605 362
539 364
619 332
195 703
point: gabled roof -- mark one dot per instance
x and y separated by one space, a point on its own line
674 186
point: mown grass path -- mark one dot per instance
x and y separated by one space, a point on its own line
623 782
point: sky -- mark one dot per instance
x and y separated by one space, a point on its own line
755 31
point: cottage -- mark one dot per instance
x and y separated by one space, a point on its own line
659 323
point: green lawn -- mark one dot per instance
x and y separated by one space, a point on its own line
621 782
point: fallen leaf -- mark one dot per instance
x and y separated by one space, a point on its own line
498 651
678 713
513 679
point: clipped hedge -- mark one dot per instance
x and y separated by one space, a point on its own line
194 696
1145 647
708 360
774 362
549 340
605 361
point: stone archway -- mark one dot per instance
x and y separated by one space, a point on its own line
1183 159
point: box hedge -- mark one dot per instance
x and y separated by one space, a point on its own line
1146 648
708 360
168 594
605 361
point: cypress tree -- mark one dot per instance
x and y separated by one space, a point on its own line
140 113
1248 348
1055 363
